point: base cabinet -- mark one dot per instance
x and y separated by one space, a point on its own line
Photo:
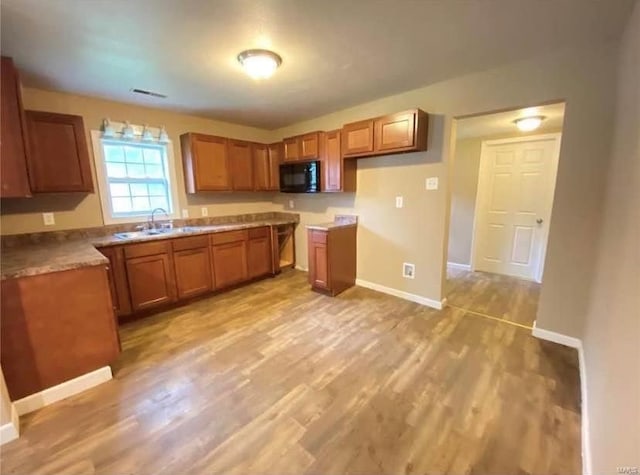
229 254
193 272
332 258
259 252
151 281
118 282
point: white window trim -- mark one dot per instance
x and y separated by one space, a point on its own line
103 186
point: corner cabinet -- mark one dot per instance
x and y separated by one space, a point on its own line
206 163
395 133
14 180
59 157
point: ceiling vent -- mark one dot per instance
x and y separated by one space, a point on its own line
149 93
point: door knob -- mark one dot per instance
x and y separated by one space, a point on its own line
539 220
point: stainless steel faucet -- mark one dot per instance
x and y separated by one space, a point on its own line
152 223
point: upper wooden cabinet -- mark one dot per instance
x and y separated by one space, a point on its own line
291 149
58 157
303 147
338 174
14 180
206 163
358 137
266 166
396 133
275 157
241 165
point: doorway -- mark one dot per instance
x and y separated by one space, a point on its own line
502 188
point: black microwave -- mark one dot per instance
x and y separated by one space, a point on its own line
301 177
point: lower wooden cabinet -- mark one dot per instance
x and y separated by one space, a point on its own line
153 274
332 258
229 254
259 252
151 281
55 327
118 282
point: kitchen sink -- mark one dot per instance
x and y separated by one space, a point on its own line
154 232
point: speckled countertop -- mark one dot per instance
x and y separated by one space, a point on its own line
28 255
340 221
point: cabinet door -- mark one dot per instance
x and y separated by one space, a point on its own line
396 131
291 149
333 162
310 146
241 165
14 180
358 138
193 272
259 252
229 263
206 163
261 170
151 281
118 280
275 157
58 157
318 260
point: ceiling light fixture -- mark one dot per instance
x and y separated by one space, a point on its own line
527 124
259 63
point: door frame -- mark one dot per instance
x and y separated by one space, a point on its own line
482 191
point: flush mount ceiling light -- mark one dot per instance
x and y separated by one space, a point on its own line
259 63
527 124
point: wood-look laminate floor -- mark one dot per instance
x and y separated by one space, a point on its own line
275 379
499 296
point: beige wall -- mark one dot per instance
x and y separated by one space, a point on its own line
612 331
417 233
464 188
83 210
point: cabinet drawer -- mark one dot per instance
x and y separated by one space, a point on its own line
229 236
319 237
259 232
146 249
191 242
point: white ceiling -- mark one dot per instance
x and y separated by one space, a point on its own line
501 123
336 53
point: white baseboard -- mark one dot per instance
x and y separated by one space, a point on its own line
62 390
556 337
455 265
584 407
11 430
303 269
437 304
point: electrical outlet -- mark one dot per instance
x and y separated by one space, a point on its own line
204 211
408 270
291 204
48 219
185 213
432 183
399 201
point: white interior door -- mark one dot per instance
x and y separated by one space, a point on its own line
513 207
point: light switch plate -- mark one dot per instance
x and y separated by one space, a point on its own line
399 201
204 211
432 183
185 213
48 219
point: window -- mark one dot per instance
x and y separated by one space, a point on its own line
135 178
